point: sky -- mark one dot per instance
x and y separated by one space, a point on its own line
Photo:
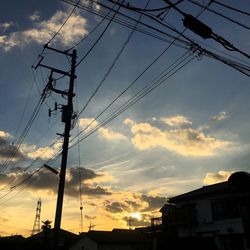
191 130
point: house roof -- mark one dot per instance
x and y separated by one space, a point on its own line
203 192
237 182
50 232
114 237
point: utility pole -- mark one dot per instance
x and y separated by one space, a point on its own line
67 113
67 116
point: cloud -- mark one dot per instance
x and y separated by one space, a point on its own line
176 121
43 153
133 207
212 178
47 181
73 30
133 204
184 141
24 151
220 117
111 135
128 121
116 207
35 16
8 150
88 217
5 26
87 123
108 134
154 202
137 203
138 220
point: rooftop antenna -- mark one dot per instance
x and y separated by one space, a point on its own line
91 226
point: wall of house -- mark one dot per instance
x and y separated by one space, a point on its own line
84 244
204 212
207 226
122 247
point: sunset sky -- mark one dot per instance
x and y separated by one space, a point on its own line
191 130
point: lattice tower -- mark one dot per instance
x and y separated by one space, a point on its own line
36 226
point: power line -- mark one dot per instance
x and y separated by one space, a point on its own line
221 15
192 44
111 66
99 38
29 177
14 148
231 8
29 166
79 170
128 87
22 182
140 94
154 10
92 31
201 29
27 181
179 42
65 21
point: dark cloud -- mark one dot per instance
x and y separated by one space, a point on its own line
45 180
116 207
87 189
135 222
10 150
91 204
133 204
89 217
72 184
7 149
154 202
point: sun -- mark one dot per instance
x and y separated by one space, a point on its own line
136 215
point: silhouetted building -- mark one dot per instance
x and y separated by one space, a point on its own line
113 240
220 211
44 240
15 242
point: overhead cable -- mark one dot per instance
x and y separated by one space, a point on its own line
111 66
99 38
204 31
172 69
221 15
232 8
124 22
65 21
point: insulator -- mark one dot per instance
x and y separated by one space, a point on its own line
49 112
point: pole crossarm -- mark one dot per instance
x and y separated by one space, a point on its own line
57 50
59 71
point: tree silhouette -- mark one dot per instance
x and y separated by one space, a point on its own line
46 225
